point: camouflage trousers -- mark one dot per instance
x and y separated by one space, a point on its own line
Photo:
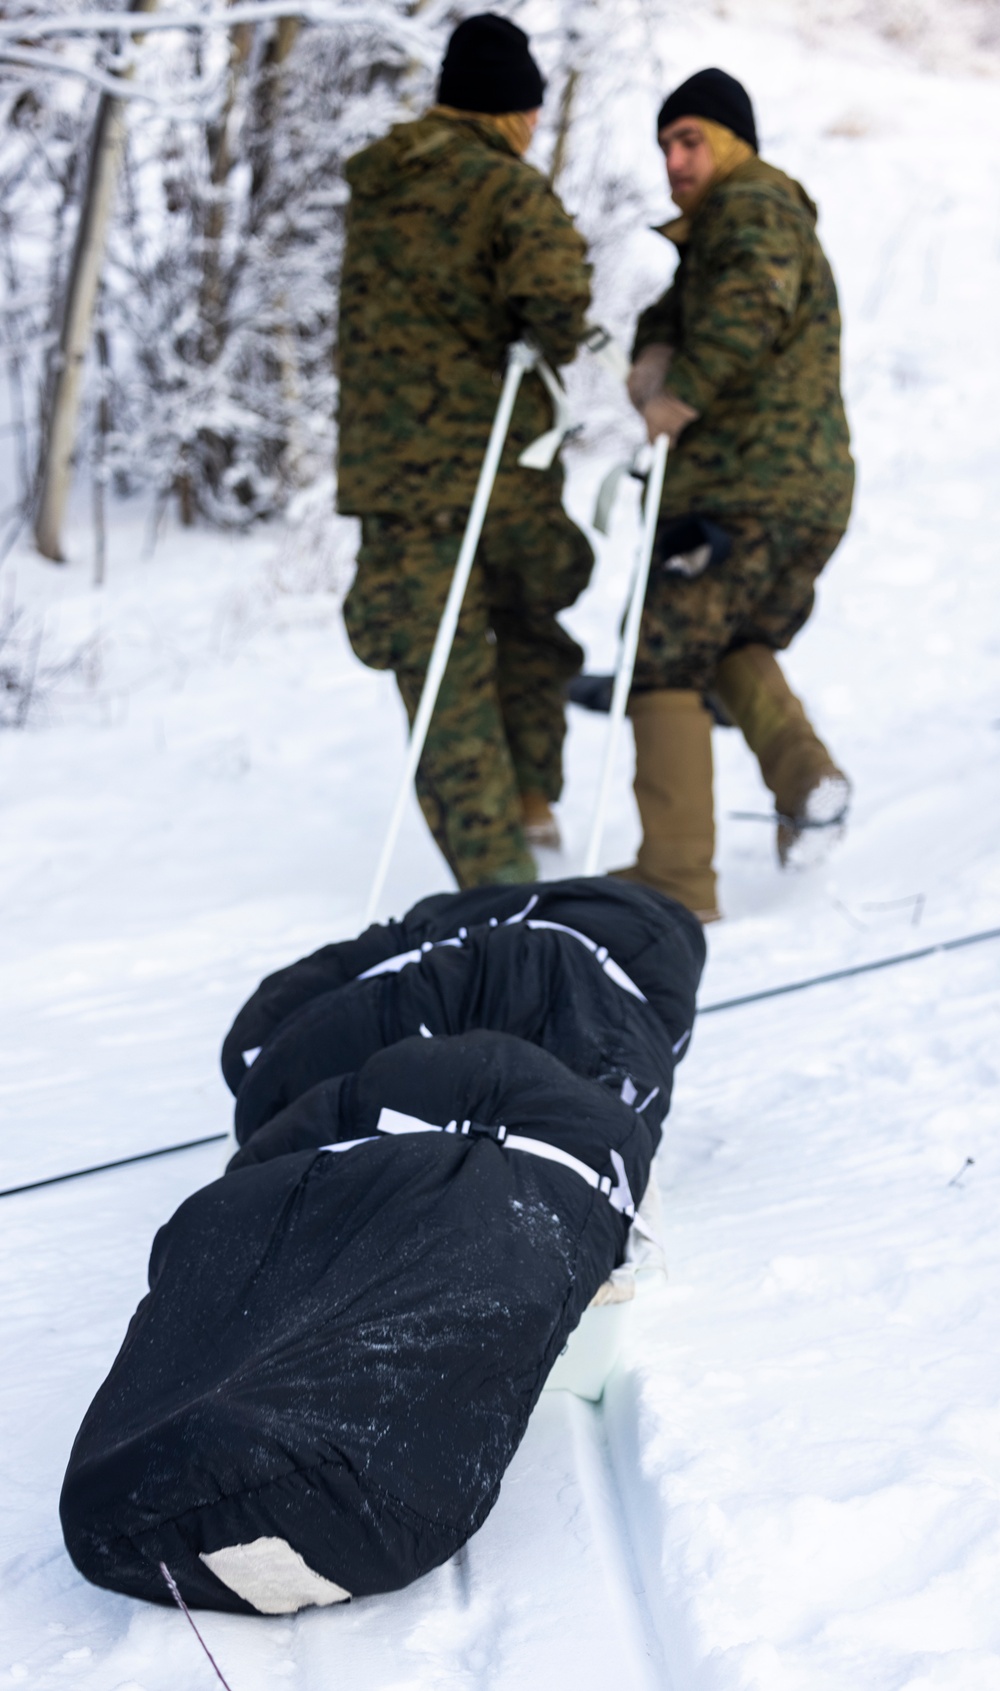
762 594
499 723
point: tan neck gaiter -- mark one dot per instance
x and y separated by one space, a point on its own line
513 126
728 152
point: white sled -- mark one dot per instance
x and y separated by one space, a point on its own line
592 1351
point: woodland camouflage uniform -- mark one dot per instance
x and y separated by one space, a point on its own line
753 317
455 248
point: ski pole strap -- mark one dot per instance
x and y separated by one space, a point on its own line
540 453
607 493
601 343
397 1122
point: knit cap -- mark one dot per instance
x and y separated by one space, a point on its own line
488 67
715 95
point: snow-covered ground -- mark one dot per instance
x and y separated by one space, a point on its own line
793 1482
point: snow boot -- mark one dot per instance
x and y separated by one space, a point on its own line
673 789
811 795
538 822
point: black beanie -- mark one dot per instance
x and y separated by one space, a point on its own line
488 68
715 95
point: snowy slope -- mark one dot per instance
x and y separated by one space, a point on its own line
793 1483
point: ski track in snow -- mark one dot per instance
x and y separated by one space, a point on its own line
793 1482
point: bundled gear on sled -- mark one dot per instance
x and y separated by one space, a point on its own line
345 1336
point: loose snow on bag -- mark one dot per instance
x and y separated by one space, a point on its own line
792 1483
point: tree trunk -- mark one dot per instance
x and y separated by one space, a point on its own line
563 124
59 439
212 294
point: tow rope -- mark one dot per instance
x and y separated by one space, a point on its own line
850 973
119 1162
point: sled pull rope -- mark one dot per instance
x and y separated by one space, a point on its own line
119 1162
834 975
849 973
174 1590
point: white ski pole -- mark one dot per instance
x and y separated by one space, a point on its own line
520 359
630 642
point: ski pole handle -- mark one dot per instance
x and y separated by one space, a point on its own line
520 360
630 643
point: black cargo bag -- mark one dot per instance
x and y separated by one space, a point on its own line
340 1349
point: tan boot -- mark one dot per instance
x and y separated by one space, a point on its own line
539 823
673 789
811 794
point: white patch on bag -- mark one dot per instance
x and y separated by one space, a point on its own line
271 1576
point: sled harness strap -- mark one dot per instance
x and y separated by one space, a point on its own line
617 1192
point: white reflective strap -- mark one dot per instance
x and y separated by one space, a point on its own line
393 965
552 1154
396 1121
511 921
619 1195
612 969
616 973
643 1227
251 1055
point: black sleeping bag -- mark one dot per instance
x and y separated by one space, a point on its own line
340 1351
543 985
340 1347
658 943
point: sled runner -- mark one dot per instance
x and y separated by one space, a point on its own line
584 1366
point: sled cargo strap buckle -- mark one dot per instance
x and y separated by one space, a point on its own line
618 1192
601 344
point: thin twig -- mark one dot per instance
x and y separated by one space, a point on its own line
914 900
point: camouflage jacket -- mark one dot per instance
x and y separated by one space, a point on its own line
455 247
753 316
